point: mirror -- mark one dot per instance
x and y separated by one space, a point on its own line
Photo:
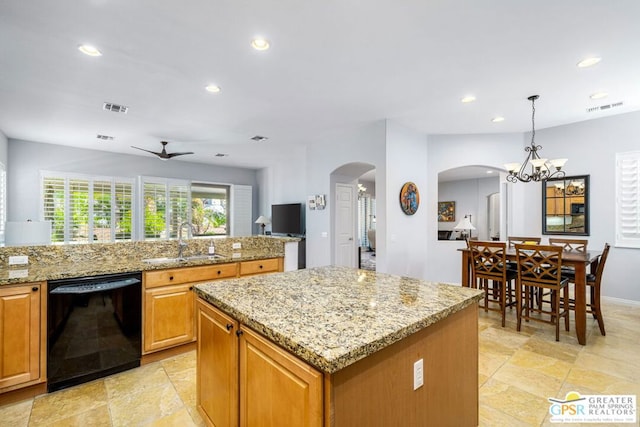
565 205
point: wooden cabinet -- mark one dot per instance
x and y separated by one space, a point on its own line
261 266
168 305
241 372
217 366
268 374
22 345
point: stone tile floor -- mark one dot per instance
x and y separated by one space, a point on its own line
518 372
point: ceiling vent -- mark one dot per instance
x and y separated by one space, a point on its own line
108 106
259 138
604 107
105 137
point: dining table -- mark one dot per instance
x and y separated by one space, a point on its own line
580 261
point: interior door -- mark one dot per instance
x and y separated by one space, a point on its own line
345 226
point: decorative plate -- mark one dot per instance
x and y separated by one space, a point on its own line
409 198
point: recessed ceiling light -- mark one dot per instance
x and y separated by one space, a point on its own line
213 88
89 50
497 119
598 95
467 99
489 171
588 62
260 44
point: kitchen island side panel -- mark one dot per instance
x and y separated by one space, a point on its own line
378 390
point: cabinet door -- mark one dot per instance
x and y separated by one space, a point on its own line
168 316
217 366
19 334
276 388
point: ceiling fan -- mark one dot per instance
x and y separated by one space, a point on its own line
163 155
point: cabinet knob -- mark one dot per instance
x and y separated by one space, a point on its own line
261 266
239 332
219 272
170 277
190 288
35 289
229 326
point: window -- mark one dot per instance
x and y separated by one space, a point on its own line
209 209
3 200
628 199
87 209
165 205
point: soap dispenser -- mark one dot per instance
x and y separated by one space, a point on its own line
212 248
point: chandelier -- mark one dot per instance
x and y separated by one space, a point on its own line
540 168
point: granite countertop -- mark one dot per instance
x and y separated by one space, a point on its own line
116 264
331 317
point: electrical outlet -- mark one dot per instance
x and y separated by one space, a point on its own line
237 245
18 274
418 374
18 260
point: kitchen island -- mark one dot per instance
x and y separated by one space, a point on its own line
336 346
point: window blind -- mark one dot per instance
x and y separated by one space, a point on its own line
628 199
3 200
87 209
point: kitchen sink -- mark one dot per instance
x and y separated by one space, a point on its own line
183 259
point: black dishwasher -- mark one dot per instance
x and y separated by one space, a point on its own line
93 328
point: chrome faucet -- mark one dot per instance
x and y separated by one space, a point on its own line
181 243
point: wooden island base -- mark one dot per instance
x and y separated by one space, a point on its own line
378 390
374 391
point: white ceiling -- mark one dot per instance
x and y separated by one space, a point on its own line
333 64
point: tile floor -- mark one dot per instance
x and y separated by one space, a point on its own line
518 372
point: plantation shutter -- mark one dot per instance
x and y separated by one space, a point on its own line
3 200
53 198
241 211
628 199
179 212
122 211
155 206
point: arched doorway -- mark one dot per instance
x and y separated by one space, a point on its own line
344 212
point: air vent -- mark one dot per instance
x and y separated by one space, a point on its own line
604 107
115 108
105 137
259 138
221 155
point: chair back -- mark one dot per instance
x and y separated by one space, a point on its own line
513 241
540 264
488 259
601 263
576 245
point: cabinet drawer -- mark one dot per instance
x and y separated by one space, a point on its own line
259 266
176 276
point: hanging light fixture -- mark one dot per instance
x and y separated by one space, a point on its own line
540 168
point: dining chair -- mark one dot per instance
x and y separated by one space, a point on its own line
513 240
539 269
577 245
489 264
594 282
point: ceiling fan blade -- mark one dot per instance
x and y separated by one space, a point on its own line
148 151
170 155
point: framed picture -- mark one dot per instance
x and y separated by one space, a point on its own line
409 198
446 211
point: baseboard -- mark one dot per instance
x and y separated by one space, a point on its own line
621 301
170 352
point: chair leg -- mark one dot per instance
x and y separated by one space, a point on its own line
518 305
595 303
503 308
565 304
556 309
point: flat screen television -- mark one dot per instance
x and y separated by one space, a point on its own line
287 219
